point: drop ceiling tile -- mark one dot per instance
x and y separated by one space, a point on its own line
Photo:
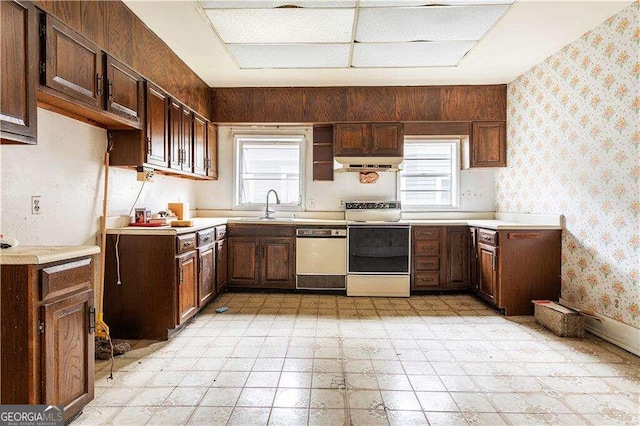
291 55
417 54
269 4
437 23
253 26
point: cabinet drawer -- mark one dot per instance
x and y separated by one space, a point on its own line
426 263
426 279
221 232
488 236
185 243
66 278
206 236
426 233
426 247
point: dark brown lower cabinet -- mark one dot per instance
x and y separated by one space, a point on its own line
48 320
207 256
164 281
440 258
262 256
488 278
515 267
187 286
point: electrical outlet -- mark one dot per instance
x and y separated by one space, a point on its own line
341 202
311 203
36 204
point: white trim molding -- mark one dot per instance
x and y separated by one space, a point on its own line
616 332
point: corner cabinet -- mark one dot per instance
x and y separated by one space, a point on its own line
48 321
19 77
368 139
515 267
262 256
164 281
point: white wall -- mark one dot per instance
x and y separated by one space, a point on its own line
477 186
66 169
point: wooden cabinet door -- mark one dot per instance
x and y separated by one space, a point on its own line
457 257
19 76
157 118
488 272
124 92
278 262
187 140
212 151
199 145
473 260
68 353
187 286
387 139
175 135
206 274
489 144
243 261
221 266
351 139
73 66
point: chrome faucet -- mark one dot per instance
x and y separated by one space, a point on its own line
267 212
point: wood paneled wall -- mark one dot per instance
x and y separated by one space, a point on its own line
117 30
347 104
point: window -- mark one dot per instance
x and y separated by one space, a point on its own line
429 176
265 162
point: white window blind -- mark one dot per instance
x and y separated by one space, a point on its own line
268 162
429 176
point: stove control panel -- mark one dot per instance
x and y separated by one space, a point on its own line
372 205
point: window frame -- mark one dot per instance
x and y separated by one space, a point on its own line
265 135
455 175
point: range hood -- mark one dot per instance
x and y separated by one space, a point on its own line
368 164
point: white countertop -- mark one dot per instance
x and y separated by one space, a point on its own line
208 222
37 255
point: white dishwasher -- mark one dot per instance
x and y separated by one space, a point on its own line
321 258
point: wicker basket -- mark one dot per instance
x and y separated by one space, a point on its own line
562 321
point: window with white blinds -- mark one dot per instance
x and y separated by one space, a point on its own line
430 174
265 162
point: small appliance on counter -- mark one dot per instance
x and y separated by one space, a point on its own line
7 242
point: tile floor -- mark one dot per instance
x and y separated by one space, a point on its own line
289 359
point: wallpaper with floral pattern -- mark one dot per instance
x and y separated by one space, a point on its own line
573 149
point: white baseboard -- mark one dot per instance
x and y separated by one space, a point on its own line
620 334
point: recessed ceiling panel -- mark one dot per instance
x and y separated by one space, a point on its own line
417 3
270 4
445 23
396 55
291 55
283 25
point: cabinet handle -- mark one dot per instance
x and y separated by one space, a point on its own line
187 243
207 238
263 252
110 89
493 261
92 319
149 145
99 84
180 277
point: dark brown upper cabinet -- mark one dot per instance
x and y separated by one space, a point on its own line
368 139
199 145
80 80
488 144
70 65
19 76
212 151
180 137
157 126
125 91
